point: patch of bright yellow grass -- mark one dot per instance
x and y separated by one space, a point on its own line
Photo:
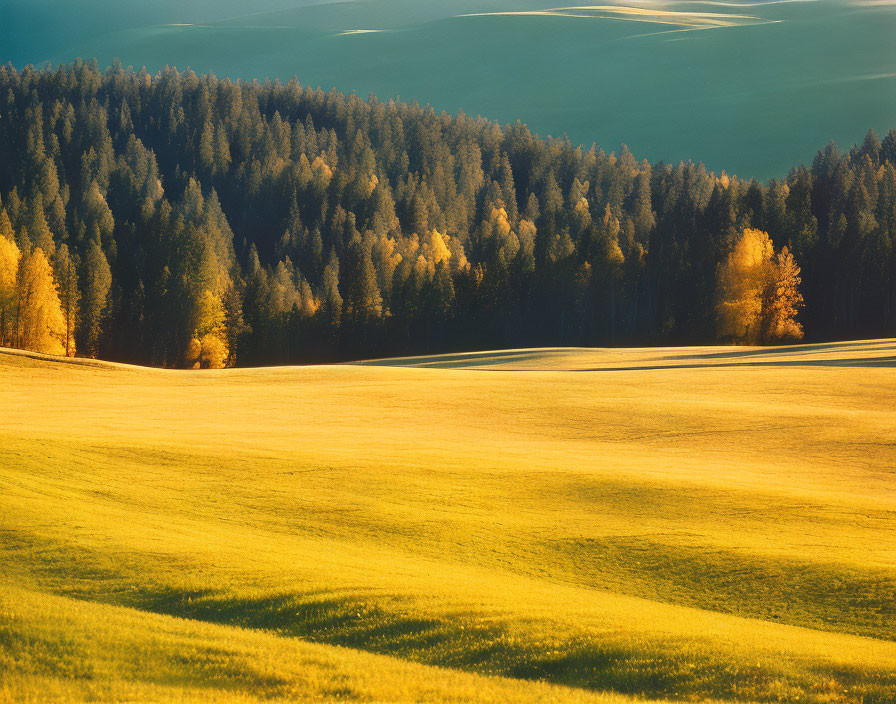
683 523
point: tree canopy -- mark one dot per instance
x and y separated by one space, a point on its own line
189 220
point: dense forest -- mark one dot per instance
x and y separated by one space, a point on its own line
185 220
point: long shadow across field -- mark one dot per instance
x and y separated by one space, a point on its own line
389 623
793 349
466 359
839 354
882 362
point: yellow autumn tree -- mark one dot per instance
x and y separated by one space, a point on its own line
310 304
322 170
193 352
757 292
208 347
783 300
214 351
438 249
9 267
40 324
612 252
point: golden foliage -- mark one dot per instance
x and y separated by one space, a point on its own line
40 321
9 265
386 256
322 170
508 242
741 283
582 208
757 293
459 261
372 184
208 347
498 217
424 253
210 313
610 225
194 349
527 230
309 303
785 300
437 249
421 266
214 352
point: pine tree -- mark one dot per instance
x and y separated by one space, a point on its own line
66 267
96 277
206 149
38 231
332 299
6 229
363 301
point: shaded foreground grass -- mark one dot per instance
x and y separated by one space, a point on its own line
59 649
680 533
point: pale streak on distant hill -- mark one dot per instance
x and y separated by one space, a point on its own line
690 20
725 3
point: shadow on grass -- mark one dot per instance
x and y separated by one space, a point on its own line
823 596
870 362
386 624
862 345
428 632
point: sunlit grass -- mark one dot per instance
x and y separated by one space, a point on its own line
695 523
59 650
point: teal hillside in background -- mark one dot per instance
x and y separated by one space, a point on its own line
752 88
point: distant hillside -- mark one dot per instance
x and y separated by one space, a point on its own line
751 87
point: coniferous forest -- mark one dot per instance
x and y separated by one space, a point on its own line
185 220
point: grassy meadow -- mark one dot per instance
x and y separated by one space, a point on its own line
559 525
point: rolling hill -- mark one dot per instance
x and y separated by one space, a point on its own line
680 524
751 87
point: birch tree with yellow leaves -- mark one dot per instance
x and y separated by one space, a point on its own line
9 268
758 294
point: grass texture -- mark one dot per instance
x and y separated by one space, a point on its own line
688 524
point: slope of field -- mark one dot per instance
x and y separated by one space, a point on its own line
862 353
677 524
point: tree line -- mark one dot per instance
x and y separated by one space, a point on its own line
184 220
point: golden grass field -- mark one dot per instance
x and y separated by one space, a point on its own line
560 525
